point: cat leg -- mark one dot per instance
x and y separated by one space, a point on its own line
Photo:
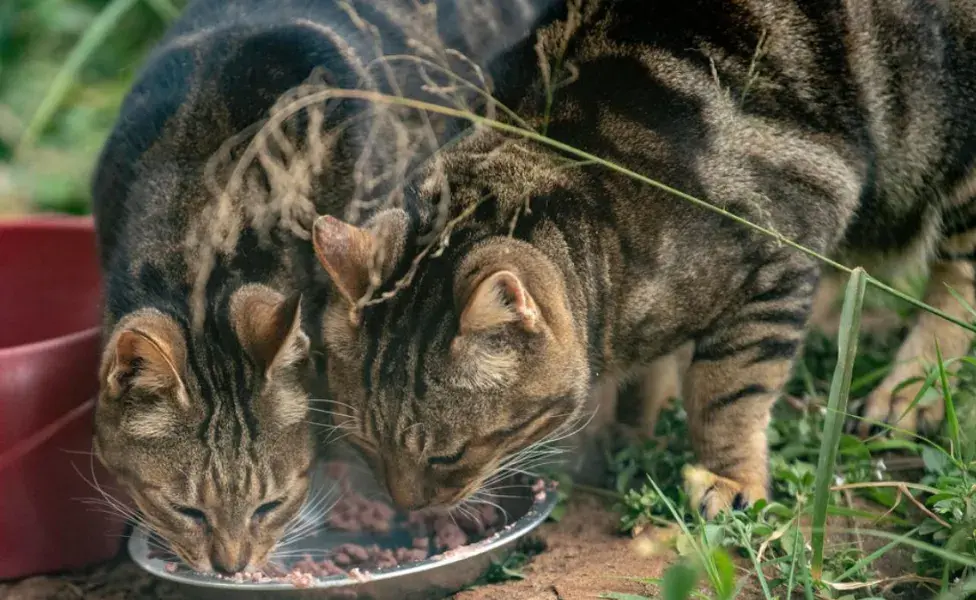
660 383
889 402
739 368
587 464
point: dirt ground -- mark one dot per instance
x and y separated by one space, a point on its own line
584 558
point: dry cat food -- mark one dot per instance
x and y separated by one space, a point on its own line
435 533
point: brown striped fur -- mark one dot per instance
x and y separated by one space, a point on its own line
218 481
844 125
207 374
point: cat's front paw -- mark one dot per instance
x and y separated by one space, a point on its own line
711 493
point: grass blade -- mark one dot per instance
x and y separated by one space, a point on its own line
705 558
867 560
760 575
89 42
948 556
850 324
952 420
165 9
962 301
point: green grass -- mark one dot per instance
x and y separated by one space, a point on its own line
65 66
911 499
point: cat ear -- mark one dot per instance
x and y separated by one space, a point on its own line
498 300
147 352
269 325
346 251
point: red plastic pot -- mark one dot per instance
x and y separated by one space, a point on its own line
50 297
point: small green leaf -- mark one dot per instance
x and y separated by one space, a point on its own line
714 534
726 573
950 407
935 461
557 513
679 581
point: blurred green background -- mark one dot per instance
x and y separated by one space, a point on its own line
65 66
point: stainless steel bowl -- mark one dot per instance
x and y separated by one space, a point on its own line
435 577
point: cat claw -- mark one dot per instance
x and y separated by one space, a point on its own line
713 494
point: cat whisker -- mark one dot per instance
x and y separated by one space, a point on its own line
460 508
310 517
332 426
477 498
109 501
79 452
332 434
450 513
530 470
331 401
331 438
574 425
524 459
522 463
333 413
491 488
108 506
490 492
305 526
532 461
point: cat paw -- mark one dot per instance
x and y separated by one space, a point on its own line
712 494
889 404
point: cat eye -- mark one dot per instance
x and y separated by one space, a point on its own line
192 513
263 510
447 460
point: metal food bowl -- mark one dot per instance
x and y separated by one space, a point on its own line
435 577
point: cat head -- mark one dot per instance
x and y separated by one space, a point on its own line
446 381
208 434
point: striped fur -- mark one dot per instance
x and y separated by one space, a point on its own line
199 462
205 396
844 125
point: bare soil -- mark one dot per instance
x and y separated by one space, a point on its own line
585 557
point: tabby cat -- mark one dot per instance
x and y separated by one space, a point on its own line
203 409
845 126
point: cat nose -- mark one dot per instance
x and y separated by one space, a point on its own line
228 558
407 497
228 568
406 492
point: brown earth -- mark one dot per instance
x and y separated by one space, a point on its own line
585 558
